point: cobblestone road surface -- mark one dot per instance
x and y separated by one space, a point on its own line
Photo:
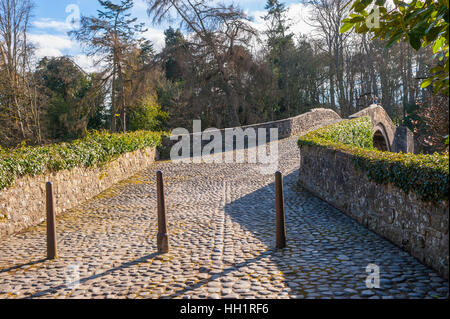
221 224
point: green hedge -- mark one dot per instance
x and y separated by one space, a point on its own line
97 148
426 175
357 132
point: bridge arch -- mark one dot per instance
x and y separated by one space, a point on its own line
381 138
384 129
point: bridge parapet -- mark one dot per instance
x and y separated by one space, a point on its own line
387 136
297 125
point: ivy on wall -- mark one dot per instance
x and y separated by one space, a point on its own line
426 175
97 148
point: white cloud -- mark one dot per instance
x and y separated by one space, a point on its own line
157 37
52 24
298 14
87 63
51 45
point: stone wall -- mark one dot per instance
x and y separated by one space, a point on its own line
404 140
23 205
286 128
418 227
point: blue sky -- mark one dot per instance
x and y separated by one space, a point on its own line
56 9
50 24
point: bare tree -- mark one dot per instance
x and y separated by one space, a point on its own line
16 93
217 30
327 18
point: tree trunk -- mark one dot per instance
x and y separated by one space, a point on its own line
113 96
122 97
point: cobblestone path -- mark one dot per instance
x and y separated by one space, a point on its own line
221 224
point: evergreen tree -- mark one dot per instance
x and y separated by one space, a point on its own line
72 98
111 35
174 53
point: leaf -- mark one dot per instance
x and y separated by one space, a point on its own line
436 69
359 18
438 44
362 28
347 26
394 39
361 5
426 83
414 40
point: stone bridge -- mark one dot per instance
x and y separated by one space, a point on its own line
221 225
293 126
387 136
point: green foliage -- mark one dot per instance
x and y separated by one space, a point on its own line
71 98
147 115
175 52
97 148
420 22
356 133
426 175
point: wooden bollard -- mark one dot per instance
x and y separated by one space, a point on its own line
52 251
280 212
163 236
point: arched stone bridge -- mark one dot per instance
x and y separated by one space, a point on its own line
387 136
221 225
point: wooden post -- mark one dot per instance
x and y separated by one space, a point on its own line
163 236
52 251
280 212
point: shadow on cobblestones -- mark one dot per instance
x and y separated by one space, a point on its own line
53 290
217 276
23 265
327 252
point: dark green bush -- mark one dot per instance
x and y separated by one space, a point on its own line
97 148
426 175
